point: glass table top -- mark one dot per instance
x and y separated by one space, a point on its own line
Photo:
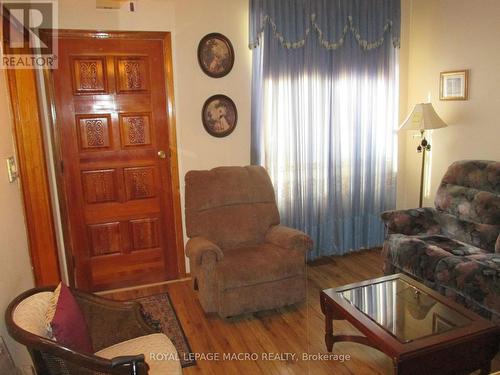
403 310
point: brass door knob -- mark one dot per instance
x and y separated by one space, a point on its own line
162 154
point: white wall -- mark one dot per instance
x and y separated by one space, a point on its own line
449 35
197 149
15 266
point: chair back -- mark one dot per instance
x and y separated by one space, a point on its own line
231 206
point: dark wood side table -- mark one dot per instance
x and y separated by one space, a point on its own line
421 330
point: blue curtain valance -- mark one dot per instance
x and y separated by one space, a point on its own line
370 22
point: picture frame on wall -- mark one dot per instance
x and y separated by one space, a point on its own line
454 85
219 116
215 55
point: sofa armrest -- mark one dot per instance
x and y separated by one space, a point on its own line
411 222
198 249
110 322
289 238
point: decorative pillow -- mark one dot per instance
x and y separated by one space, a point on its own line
67 323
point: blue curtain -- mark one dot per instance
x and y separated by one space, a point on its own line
324 114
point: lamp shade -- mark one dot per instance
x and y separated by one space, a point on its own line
422 117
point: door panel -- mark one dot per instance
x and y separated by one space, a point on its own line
135 129
112 119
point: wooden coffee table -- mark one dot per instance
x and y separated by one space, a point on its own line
422 331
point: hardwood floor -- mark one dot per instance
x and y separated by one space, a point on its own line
294 330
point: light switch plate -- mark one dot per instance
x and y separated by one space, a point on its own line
12 169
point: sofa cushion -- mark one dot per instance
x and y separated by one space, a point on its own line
412 222
258 264
477 174
480 235
470 190
469 204
475 276
160 354
419 255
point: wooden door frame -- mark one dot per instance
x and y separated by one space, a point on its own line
31 159
165 38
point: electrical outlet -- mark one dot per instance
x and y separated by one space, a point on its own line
12 169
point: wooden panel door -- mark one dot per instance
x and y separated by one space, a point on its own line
111 114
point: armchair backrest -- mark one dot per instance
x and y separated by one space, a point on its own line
469 197
231 206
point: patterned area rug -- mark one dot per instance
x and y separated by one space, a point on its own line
160 313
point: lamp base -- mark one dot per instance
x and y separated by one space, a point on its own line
423 147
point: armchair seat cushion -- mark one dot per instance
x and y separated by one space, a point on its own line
253 265
476 276
159 352
419 255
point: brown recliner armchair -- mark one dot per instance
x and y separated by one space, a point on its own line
241 259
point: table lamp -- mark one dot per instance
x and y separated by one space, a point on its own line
423 117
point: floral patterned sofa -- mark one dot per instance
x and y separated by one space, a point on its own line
454 247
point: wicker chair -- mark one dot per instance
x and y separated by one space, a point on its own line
120 337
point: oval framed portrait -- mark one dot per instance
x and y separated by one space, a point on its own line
219 115
215 55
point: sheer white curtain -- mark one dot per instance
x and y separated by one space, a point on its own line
324 116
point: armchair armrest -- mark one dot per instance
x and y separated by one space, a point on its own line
110 322
411 222
289 238
132 361
199 249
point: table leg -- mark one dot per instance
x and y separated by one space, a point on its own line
395 365
329 329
